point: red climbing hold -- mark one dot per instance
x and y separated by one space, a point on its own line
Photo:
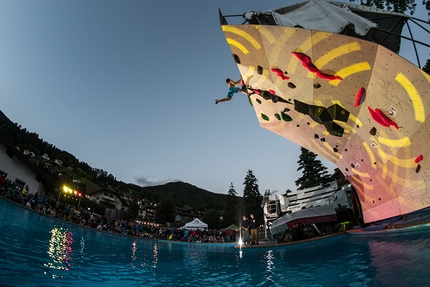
327 76
359 96
283 77
419 158
276 70
311 67
279 73
386 119
376 118
302 57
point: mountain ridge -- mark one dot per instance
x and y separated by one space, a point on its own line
183 194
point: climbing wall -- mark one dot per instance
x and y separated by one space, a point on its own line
353 102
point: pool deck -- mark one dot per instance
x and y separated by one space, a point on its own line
405 223
265 243
398 228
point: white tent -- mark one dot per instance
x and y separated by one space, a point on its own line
196 224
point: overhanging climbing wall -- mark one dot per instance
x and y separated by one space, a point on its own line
353 102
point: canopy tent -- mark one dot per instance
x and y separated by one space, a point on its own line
196 224
232 227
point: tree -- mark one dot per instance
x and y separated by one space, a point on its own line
426 67
400 6
133 209
232 210
314 173
165 211
252 198
212 218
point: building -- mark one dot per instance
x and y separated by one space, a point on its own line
108 197
186 214
16 167
146 211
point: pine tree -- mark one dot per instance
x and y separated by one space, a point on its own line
314 172
426 67
232 208
401 6
165 211
252 198
212 219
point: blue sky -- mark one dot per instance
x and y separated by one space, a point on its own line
130 87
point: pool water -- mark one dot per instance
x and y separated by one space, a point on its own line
37 250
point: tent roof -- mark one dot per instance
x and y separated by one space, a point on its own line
195 224
232 227
380 26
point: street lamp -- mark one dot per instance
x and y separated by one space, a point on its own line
79 194
66 190
80 197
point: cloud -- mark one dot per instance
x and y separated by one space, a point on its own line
149 180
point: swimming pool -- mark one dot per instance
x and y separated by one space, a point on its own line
37 250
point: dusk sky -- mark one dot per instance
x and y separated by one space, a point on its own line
130 87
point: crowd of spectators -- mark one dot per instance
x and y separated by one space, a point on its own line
48 205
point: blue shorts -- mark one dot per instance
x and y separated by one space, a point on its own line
232 91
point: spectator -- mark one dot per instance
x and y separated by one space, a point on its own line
51 207
254 230
245 230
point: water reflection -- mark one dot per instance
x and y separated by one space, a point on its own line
133 253
143 257
270 265
60 249
392 256
82 243
155 254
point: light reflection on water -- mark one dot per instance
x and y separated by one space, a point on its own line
270 265
155 252
43 251
82 250
60 249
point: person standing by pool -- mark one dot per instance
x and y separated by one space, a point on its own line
245 230
253 227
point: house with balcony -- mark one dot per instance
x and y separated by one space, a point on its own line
184 214
146 211
17 168
108 197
